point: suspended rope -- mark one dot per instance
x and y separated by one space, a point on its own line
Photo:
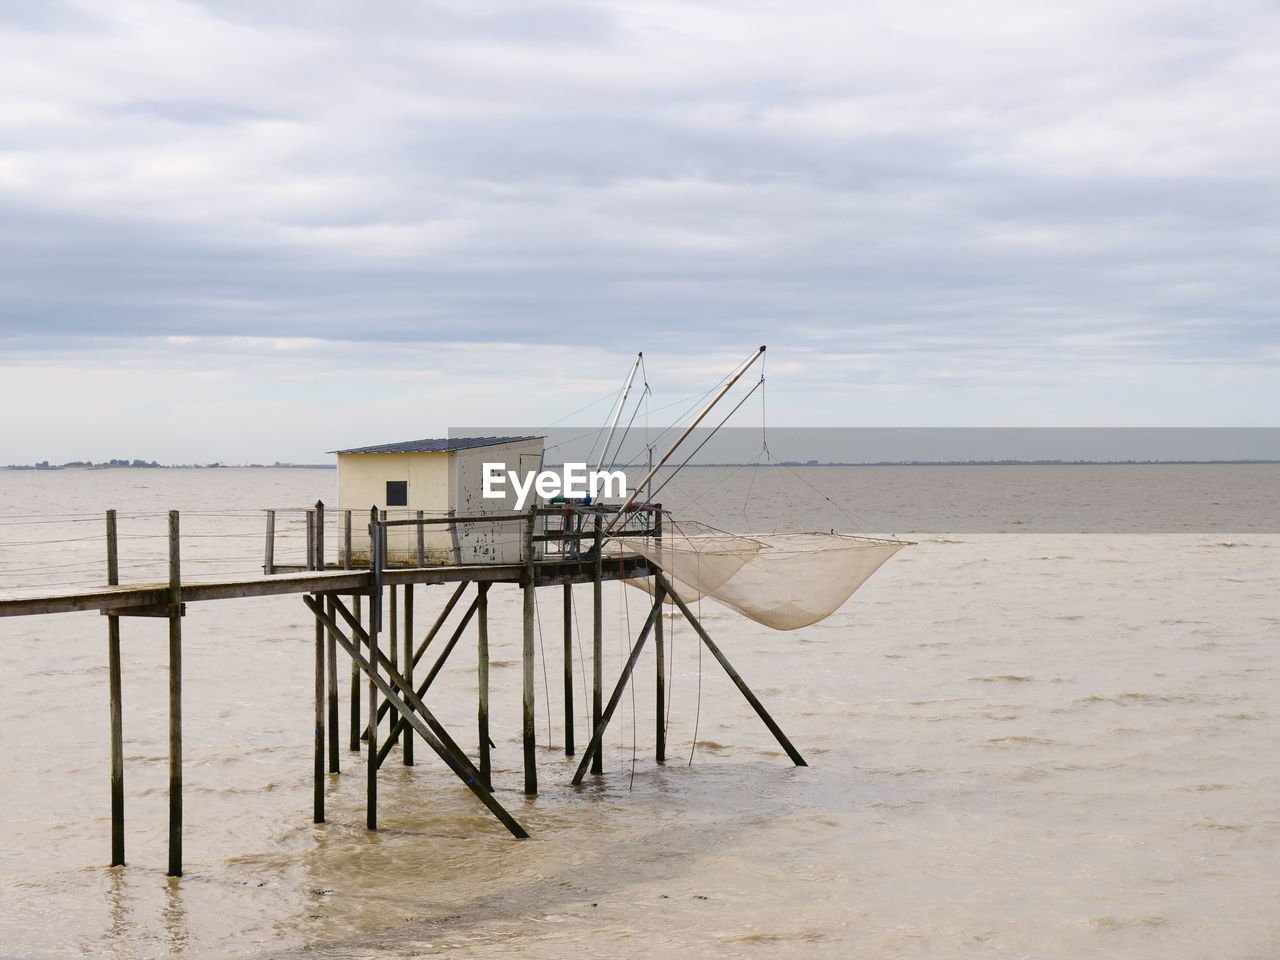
708 437
860 523
611 393
697 712
623 439
582 661
626 602
542 651
671 666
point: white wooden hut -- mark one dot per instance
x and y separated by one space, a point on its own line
439 477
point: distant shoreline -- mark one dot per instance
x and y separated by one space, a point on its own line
988 463
46 467
974 463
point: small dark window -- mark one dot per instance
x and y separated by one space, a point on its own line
397 493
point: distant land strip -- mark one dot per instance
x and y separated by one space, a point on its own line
981 463
152 465
960 463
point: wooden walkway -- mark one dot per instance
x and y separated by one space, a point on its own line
121 598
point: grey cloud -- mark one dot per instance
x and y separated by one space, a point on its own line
460 190
49 16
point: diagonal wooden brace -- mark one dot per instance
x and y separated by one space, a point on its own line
741 684
424 724
398 725
413 700
444 615
431 675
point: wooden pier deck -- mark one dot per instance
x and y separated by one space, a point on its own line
338 581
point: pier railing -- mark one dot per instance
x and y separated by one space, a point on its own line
425 539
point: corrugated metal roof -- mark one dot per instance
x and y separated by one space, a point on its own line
441 445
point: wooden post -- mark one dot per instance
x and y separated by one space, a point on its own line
354 719
597 645
482 678
407 744
375 625
311 540
356 724
527 713
660 668
393 642
317 786
269 558
422 545
331 659
115 702
453 538
781 737
597 735
317 753
175 698
660 654
318 536
568 670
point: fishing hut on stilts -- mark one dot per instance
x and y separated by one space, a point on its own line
422 521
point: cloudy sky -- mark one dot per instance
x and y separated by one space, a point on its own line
243 230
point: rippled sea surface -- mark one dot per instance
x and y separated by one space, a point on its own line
1042 745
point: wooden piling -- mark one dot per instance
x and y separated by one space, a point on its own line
393 644
597 644
318 768
568 670
317 753
407 744
482 681
175 698
356 723
375 625
115 700
354 734
311 540
527 701
659 648
422 543
660 669
331 661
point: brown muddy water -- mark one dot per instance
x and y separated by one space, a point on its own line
1041 745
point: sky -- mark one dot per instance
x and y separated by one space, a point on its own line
247 231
